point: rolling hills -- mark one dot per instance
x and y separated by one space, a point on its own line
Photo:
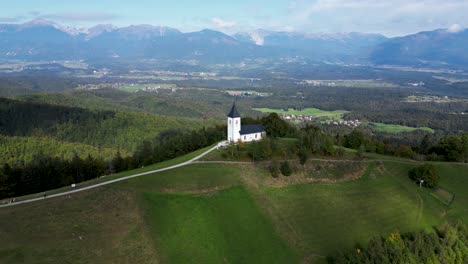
222 212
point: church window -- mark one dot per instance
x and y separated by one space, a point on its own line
229 121
256 135
245 137
237 121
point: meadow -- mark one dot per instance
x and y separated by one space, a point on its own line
214 213
327 116
393 129
133 88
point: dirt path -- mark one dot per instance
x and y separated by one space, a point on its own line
185 163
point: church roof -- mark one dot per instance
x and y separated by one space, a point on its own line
250 129
234 113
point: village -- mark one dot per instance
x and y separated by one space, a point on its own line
305 118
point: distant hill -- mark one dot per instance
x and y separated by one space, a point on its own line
352 46
45 40
432 48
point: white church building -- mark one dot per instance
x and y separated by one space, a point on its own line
244 133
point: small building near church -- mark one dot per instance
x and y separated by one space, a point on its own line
238 132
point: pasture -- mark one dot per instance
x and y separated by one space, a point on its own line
393 129
214 213
325 116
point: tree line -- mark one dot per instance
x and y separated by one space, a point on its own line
311 140
46 173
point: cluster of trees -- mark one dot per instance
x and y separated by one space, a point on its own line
450 148
426 174
168 145
46 173
283 167
447 245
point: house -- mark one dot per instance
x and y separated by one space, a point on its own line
238 132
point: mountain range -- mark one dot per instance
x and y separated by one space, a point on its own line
46 40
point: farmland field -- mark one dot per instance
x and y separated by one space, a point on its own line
327 116
390 128
150 86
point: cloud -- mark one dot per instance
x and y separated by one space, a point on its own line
393 17
77 16
455 28
220 23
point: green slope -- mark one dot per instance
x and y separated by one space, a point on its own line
214 213
221 227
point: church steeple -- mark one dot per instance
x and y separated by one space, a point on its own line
234 113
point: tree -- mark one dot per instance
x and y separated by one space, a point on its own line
303 155
355 139
6 186
425 145
275 126
427 173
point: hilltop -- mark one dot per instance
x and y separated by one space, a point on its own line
220 212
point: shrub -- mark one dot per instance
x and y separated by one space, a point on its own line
273 168
285 168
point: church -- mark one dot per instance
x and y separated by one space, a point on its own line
245 133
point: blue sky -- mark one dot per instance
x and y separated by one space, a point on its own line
390 17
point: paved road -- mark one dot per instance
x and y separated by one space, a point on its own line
185 163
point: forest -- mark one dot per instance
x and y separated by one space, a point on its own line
28 129
45 173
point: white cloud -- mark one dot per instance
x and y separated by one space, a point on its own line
455 28
258 38
393 17
81 16
220 23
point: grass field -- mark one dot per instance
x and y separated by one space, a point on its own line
327 116
389 128
224 227
217 213
443 195
149 86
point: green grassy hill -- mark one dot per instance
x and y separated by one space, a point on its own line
217 213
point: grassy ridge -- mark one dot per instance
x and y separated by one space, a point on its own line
333 216
214 213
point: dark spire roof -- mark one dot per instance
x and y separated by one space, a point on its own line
234 113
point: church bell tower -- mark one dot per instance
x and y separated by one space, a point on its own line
233 124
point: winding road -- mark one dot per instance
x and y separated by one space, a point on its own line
185 163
